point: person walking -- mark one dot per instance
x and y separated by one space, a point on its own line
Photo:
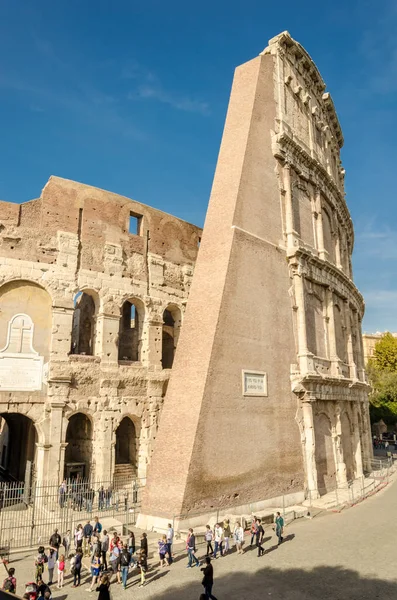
144 543
104 548
62 494
77 567
95 570
40 561
163 551
279 528
87 533
238 536
260 532
131 547
115 562
103 588
97 527
209 536
226 535
78 537
170 541
125 559
208 579
55 542
101 498
10 582
142 564
66 542
218 537
191 549
253 530
52 558
61 570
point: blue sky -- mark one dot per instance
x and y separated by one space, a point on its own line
131 97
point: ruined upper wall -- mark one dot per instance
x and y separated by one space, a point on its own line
305 112
101 220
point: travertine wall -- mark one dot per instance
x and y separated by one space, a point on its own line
73 243
274 275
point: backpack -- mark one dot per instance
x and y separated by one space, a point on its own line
124 559
9 585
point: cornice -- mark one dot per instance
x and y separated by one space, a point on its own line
283 146
307 263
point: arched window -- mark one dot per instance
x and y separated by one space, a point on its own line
329 243
130 331
78 454
171 327
18 439
84 323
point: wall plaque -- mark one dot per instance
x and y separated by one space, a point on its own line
254 383
21 367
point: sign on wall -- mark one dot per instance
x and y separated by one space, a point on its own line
254 383
21 367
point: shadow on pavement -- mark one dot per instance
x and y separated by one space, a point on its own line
320 583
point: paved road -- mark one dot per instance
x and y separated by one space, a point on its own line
350 555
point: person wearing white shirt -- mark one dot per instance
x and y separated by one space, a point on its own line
218 538
170 540
238 535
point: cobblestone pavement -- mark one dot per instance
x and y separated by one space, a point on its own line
347 555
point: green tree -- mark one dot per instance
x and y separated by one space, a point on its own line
382 375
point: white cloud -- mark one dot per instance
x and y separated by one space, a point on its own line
179 102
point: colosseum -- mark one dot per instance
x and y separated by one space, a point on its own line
268 394
269 377
93 290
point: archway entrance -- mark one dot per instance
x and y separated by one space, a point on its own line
18 438
125 452
348 456
325 461
170 335
78 454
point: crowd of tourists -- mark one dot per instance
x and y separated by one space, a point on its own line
113 558
80 495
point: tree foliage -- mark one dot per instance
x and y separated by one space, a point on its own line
382 374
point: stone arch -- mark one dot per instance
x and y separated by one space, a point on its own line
84 326
315 320
172 322
324 451
131 329
347 438
19 437
126 439
79 440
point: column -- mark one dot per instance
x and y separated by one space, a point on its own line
42 461
360 349
305 357
292 238
358 472
335 362
310 448
103 436
350 349
58 391
323 254
341 477
152 341
62 319
108 327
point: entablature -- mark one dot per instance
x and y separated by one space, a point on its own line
288 151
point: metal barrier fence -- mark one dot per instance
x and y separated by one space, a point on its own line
29 514
358 489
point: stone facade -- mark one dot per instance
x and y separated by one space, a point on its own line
93 287
274 275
